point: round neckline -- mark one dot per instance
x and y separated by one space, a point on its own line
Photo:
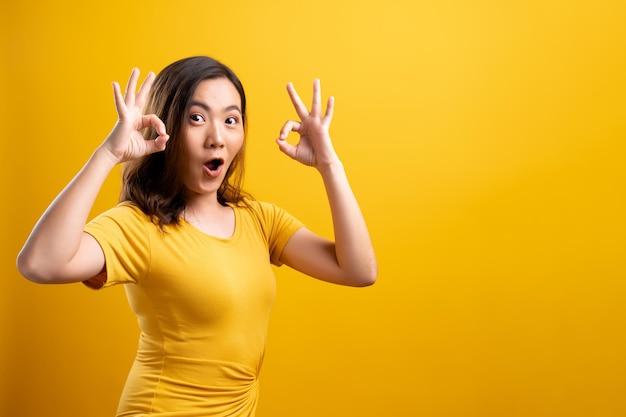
223 239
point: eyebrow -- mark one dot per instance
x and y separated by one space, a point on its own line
207 108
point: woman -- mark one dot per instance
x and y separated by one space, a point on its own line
196 250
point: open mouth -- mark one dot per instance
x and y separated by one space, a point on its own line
214 164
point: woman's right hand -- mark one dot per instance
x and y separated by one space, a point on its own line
126 141
58 250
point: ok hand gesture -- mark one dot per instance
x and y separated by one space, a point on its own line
126 141
314 147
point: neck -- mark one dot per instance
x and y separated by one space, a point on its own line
211 218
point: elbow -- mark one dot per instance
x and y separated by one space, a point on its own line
367 277
26 269
32 270
369 280
365 282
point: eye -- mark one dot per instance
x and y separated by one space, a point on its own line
197 118
231 120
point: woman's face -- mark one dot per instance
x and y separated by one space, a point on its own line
212 134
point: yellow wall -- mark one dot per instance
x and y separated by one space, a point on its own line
486 141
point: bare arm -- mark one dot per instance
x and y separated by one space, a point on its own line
58 250
350 259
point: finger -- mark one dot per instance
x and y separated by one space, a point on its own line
129 96
119 100
159 144
330 109
288 127
144 89
286 148
152 120
316 107
301 109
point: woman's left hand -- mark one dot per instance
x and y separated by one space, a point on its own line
350 258
314 147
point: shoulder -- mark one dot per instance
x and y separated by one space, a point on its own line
125 217
124 208
271 218
261 210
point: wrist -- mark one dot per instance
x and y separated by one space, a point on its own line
331 168
105 158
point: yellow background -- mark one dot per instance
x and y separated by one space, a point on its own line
486 141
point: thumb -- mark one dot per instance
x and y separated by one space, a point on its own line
286 148
160 143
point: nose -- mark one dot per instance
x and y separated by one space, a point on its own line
214 137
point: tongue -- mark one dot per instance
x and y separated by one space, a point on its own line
214 164
214 167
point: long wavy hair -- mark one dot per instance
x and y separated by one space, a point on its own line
153 182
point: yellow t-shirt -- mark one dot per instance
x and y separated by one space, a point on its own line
202 303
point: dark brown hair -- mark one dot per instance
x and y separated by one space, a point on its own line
153 182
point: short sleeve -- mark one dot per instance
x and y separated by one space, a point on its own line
278 226
122 234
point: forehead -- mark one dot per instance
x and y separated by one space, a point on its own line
217 91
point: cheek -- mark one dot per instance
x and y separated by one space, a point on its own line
236 143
